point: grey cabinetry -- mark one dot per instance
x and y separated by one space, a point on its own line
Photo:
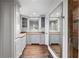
33 39
36 39
42 39
55 39
42 24
28 41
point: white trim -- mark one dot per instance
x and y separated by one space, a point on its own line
14 28
39 24
47 30
65 29
52 53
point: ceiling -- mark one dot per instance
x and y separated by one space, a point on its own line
37 7
57 12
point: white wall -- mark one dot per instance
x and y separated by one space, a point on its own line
17 19
6 28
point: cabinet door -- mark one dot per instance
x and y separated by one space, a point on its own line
35 39
54 39
42 40
43 24
28 40
23 23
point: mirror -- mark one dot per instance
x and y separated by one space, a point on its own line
56 30
53 23
34 25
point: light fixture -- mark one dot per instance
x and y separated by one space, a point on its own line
34 13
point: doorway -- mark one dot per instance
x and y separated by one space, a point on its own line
73 28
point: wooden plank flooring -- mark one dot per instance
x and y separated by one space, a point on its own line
35 51
56 48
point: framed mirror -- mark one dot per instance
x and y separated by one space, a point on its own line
34 25
56 30
53 25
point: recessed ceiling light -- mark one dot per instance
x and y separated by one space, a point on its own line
58 14
34 13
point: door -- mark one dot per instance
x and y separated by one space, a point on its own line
73 28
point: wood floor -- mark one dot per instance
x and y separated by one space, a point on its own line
56 48
73 52
35 51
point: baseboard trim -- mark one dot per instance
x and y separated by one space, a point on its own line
54 44
35 44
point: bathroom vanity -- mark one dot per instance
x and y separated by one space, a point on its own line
35 38
34 27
